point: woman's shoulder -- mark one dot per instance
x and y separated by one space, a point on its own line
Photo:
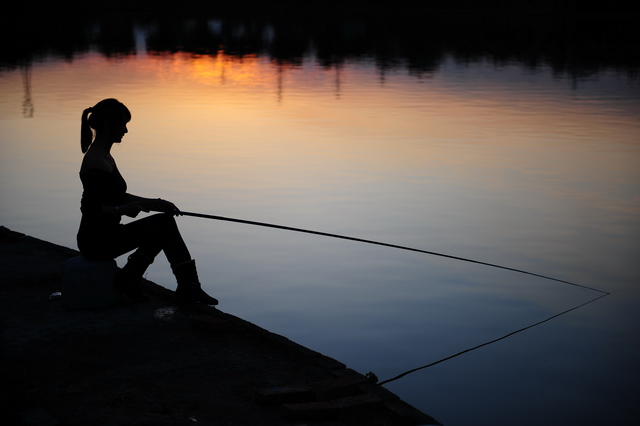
93 162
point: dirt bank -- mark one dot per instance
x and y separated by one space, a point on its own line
160 363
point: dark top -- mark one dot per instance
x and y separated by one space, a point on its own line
100 188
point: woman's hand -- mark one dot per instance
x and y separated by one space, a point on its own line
165 206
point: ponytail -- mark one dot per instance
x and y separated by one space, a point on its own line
86 135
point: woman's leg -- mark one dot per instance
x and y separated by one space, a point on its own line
150 236
160 233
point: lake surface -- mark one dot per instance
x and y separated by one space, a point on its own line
476 154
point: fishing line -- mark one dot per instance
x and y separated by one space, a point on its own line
491 341
325 234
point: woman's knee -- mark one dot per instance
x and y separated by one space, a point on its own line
165 220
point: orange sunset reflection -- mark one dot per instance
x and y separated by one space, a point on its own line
248 70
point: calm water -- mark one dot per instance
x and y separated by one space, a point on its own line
518 165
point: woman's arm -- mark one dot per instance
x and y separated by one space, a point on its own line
131 209
135 204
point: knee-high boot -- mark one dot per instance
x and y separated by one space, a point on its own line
129 277
189 287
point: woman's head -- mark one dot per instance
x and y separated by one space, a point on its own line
108 115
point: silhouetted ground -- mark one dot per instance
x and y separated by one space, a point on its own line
156 363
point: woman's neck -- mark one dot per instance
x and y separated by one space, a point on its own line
102 146
98 157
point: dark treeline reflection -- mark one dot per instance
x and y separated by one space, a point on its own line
574 44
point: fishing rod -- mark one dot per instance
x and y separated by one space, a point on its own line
344 237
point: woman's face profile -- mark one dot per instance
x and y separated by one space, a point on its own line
117 129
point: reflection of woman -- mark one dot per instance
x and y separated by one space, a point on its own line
105 200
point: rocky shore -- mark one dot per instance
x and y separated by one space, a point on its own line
161 363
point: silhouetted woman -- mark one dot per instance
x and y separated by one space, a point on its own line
105 200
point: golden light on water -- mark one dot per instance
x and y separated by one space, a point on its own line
253 113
